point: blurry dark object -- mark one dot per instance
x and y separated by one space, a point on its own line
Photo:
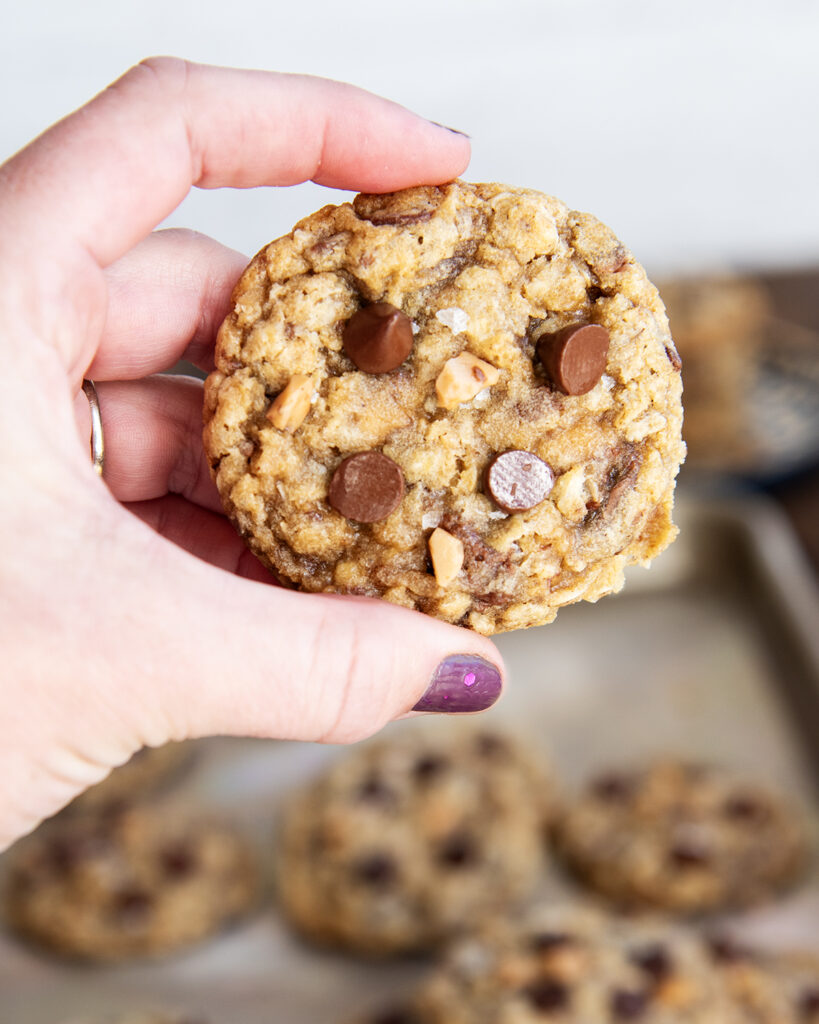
799 497
750 351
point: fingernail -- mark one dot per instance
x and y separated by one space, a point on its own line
455 131
462 682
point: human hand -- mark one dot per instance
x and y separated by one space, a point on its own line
120 630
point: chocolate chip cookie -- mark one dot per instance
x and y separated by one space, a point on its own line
128 884
463 399
569 964
408 840
688 838
719 326
769 988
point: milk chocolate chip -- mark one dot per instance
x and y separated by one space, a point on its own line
378 338
575 358
518 480
366 487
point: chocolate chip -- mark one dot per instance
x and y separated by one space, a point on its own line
742 807
378 338
177 860
458 851
373 790
489 745
725 950
612 788
518 480
809 1003
64 852
482 563
688 854
545 942
428 767
547 994
399 209
378 870
131 905
628 1004
366 487
654 960
575 358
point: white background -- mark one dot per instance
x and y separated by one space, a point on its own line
691 128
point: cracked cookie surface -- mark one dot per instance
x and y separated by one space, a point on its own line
409 840
487 275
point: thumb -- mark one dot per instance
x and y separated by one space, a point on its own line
137 642
264 661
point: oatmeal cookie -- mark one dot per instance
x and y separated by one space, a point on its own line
407 840
770 988
128 884
567 963
463 399
685 837
719 326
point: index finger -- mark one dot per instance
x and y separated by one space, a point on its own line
107 174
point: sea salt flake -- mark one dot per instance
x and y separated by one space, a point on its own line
429 520
481 397
415 328
454 318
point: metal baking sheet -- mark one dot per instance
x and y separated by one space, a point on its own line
713 653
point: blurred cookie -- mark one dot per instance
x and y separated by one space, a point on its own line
136 883
146 771
463 399
570 964
408 840
719 325
682 837
769 988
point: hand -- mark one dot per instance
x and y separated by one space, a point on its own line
120 630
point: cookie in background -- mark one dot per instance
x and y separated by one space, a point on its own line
138 882
406 841
681 837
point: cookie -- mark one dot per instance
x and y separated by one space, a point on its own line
687 838
136 883
719 324
769 988
408 840
462 399
569 964
146 771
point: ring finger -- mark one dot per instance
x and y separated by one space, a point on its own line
153 439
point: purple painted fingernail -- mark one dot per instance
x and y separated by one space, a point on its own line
455 131
462 682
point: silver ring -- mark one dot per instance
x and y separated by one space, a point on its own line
97 442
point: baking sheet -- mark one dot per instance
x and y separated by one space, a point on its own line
714 653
